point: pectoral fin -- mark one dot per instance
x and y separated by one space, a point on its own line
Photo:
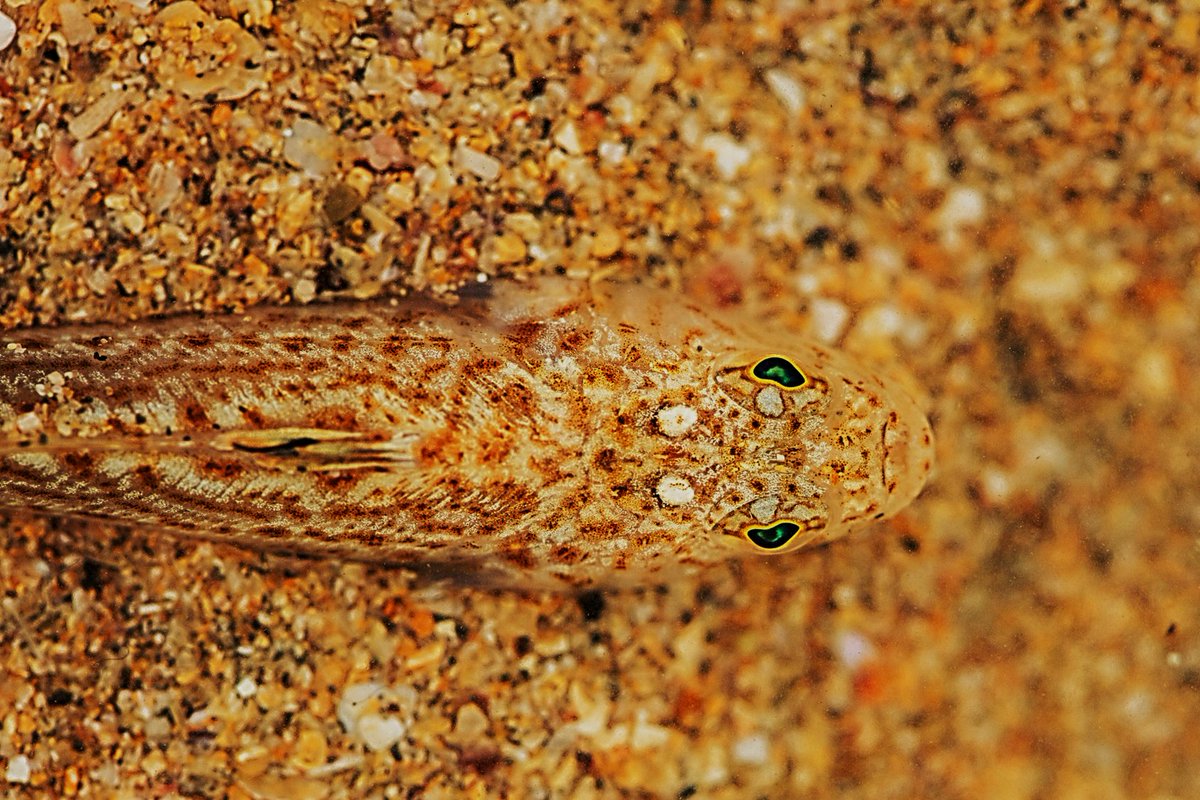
318 448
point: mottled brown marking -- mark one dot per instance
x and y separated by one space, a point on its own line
606 459
606 374
496 446
79 462
573 340
295 343
520 398
254 418
430 370
223 469
145 476
524 334
336 481
395 346
599 531
566 554
519 557
195 415
440 447
272 532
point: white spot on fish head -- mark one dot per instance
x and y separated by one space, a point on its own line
769 401
675 421
764 508
673 490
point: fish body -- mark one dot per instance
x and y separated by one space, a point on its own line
543 435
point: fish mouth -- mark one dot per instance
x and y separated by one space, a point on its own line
907 450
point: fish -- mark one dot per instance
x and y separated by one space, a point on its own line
541 433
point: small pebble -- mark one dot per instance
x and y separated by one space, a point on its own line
481 165
355 700
853 649
311 147
963 206
829 318
471 722
728 155
751 749
8 31
305 290
612 152
510 248
311 749
787 90
29 423
606 242
341 201
18 770
378 732
568 138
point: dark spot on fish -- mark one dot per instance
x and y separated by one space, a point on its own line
295 344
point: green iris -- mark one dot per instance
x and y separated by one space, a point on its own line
778 370
774 537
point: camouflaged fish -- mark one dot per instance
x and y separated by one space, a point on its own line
545 439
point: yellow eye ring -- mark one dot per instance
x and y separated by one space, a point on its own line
778 371
774 536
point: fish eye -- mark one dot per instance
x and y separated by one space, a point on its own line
779 371
772 537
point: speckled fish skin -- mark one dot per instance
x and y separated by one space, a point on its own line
548 434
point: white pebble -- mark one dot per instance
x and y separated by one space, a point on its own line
675 491
28 423
568 138
18 770
676 420
311 146
378 732
1049 281
728 155
612 152
787 90
8 31
354 702
751 749
963 206
246 688
305 290
881 321
1154 370
995 485
829 318
647 735
481 165
853 649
